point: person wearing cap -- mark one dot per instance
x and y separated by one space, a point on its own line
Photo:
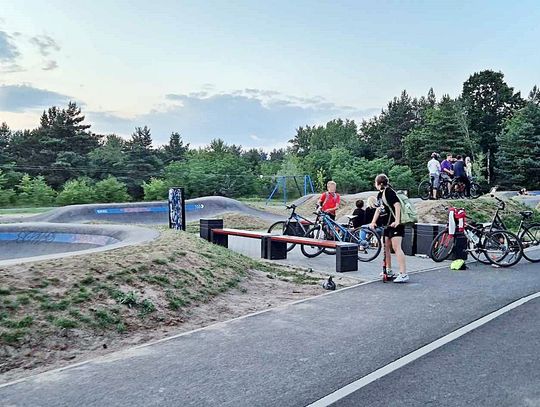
434 168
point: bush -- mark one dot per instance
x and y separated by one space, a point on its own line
77 191
35 191
111 190
155 190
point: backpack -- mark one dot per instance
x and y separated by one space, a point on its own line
408 211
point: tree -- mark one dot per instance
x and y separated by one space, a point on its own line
109 158
35 191
489 101
443 132
534 96
63 144
519 149
111 190
175 150
387 132
142 161
76 191
155 190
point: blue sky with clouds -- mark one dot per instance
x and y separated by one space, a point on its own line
248 71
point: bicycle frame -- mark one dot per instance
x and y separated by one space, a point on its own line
333 225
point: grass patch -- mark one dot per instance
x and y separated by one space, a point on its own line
5 291
12 337
65 323
22 323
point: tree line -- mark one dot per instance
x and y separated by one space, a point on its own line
63 162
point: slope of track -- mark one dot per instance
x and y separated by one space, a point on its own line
145 212
20 242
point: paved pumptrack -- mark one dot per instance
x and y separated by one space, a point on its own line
64 231
446 338
330 349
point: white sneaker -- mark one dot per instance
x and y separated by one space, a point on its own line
401 278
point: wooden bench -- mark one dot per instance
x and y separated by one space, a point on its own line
274 247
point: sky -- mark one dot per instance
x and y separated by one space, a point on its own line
250 72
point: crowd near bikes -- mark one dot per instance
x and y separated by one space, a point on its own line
450 179
378 225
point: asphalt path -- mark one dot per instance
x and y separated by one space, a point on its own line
297 354
494 365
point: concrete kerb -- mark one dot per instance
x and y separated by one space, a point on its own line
115 355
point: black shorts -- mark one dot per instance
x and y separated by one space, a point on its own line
398 231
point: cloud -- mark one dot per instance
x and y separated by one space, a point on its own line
19 98
9 53
45 44
50 65
256 118
8 50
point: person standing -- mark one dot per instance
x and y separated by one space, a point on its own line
460 175
447 171
468 167
434 168
330 200
390 209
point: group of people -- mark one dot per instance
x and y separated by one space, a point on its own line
458 169
382 211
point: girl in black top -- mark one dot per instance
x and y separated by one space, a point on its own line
390 210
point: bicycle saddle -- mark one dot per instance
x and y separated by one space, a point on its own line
351 216
526 214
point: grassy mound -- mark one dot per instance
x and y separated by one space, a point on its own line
55 310
479 210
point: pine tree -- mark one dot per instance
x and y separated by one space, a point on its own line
519 148
142 161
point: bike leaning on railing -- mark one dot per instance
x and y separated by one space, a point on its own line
499 247
366 239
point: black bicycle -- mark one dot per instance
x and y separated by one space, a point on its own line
528 233
448 189
499 247
295 225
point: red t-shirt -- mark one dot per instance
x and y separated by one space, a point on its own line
330 200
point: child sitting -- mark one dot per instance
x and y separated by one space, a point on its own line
359 215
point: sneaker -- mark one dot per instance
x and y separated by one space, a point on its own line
389 273
401 278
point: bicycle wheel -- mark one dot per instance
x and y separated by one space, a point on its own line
369 243
442 246
530 239
282 228
476 190
477 252
503 248
424 190
315 232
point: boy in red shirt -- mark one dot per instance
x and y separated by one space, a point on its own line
330 200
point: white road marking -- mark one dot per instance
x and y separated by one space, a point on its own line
424 350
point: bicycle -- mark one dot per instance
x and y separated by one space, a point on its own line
328 229
528 233
498 247
284 227
456 190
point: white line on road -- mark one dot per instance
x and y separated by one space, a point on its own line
424 350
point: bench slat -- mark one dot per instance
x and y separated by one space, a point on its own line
238 232
305 240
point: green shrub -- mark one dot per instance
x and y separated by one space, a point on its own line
111 190
155 190
77 191
35 191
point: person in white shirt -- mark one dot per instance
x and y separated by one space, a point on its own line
434 168
468 167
